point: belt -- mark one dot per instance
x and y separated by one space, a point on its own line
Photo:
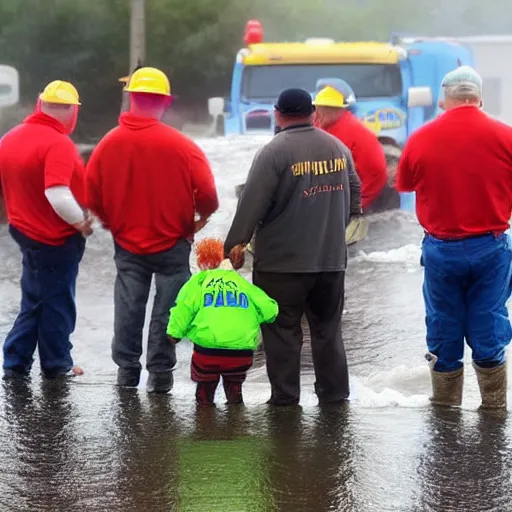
462 238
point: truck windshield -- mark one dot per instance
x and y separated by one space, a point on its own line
264 83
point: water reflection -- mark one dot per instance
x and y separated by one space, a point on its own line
466 465
41 434
310 459
222 464
145 467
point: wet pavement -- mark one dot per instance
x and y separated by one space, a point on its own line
88 444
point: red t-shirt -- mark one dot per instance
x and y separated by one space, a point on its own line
145 181
34 156
460 166
367 152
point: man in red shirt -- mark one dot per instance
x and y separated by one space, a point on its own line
333 115
146 181
460 166
42 185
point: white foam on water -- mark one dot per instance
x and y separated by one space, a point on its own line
399 387
407 379
410 387
409 254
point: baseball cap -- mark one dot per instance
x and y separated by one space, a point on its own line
295 103
463 79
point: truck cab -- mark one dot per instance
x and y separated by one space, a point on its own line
396 84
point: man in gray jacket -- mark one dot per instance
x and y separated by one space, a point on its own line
300 194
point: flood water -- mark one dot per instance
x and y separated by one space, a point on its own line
89 445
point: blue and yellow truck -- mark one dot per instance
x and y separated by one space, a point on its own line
396 84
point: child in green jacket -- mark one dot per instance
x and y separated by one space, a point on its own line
220 312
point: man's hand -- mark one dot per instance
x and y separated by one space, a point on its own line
96 222
174 341
237 256
200 223
85 227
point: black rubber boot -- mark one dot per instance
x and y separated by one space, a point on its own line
128 377
160 382
493 386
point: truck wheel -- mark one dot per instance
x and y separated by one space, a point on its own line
392 157
389 198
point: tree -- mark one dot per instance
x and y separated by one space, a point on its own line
87 41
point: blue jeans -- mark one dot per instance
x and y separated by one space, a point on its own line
466 286
47 314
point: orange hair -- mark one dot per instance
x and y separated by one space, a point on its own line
210 253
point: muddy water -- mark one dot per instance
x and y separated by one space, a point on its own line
90 445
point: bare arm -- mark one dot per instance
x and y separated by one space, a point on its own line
58 171
64 203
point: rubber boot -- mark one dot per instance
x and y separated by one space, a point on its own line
233 391
446 386
205 393
160 382
493 386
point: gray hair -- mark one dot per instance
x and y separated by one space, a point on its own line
466 92
463 84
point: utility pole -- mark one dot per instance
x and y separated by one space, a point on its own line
137 34
137 42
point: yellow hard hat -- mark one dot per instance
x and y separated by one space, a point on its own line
149 80
330 97
60 92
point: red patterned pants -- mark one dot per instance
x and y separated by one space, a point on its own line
207 367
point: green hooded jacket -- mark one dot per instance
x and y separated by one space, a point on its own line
220 309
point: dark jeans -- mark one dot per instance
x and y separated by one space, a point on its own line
47 314
320 296
134 274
